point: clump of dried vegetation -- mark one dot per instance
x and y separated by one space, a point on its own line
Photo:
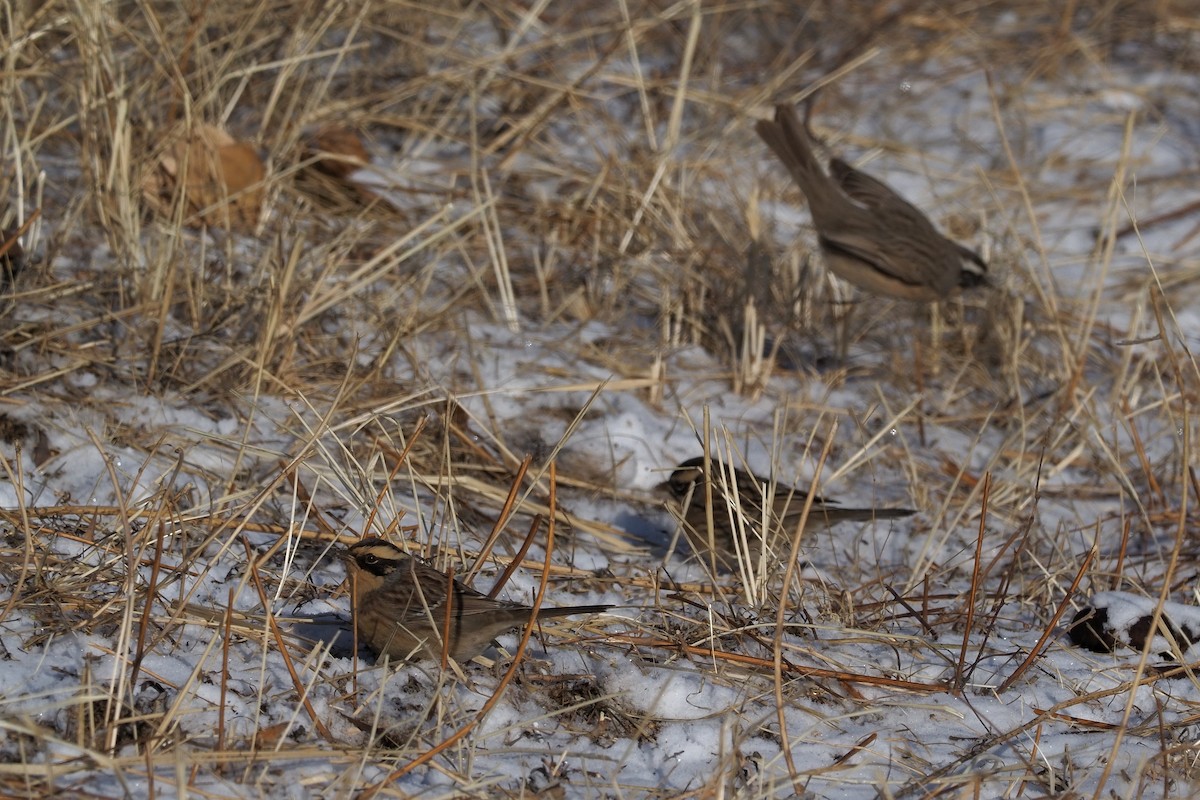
184 224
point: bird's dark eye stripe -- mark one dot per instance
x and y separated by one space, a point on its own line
374 566
375 563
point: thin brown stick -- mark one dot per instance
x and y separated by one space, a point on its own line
960 671
1140 226
447 620
8 240
506 512
277 634
858 747
1140 449
534 526
1036 650
228 625
794 670
148 605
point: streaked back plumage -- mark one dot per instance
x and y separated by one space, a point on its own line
401 603
870 235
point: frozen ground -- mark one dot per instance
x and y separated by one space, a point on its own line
195 421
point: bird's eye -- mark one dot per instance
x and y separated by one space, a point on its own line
370 559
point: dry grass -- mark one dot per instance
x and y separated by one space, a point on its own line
193 415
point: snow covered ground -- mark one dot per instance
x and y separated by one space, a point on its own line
577 212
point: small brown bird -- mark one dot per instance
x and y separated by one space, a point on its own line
870 236
741 505
400 606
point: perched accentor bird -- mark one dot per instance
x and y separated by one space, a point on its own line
869 235
400 606
742 504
